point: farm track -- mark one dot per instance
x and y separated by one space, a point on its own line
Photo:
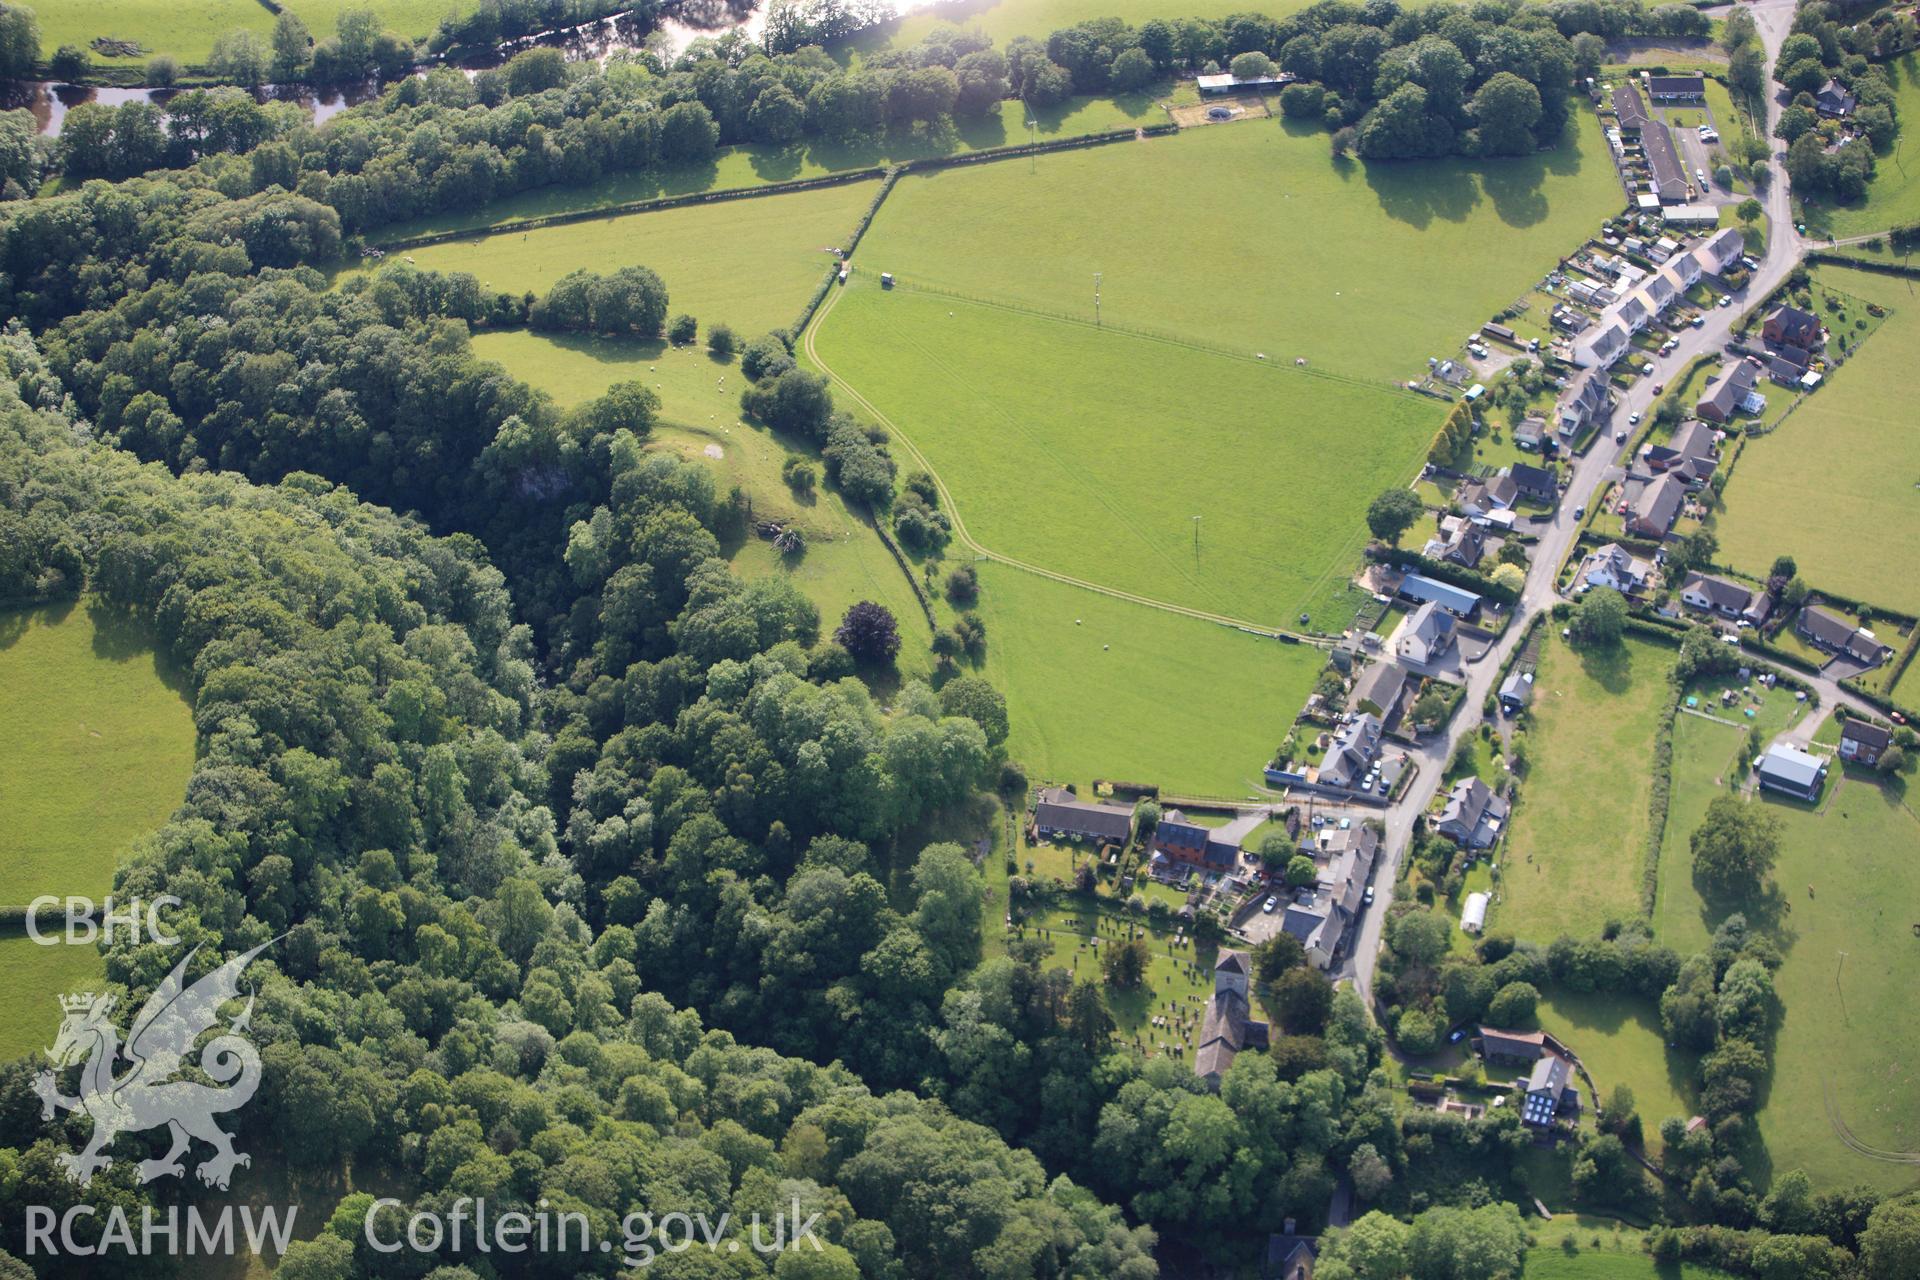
1847 1138
966 538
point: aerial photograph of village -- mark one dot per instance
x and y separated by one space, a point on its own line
959 639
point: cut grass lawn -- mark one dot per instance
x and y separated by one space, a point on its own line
1573 856
1130 439
747 263
1546 1263
1005 19
1893 196
96 743
1845 461
575 368
747 166
1100 687
1229 236
1620 1040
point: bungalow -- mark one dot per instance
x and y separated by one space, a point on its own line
1057 814
1791 772
1427 637
1692 454
1534 482
1382 690
1516 691
1550 1088
1601 347
1229 1025
1455 600
1584 401
1192 845
1792 327
1689 215
1717 596
1630 109
1731 393
1613 566
1677 88
1834 100
1862 742
1722 249
1830 633
1473 816
1654 504
1351 755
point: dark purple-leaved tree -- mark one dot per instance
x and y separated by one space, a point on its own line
869 633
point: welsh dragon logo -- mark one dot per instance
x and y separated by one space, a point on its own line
148 1093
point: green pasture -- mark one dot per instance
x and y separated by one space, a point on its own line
1845 461
1573 856
1544 1263
747 263
1101 687
1003 20
1130 439
1841 908
1620 1040
96 743
414 19
756 165
186 31
695 389
1893 196
1249 237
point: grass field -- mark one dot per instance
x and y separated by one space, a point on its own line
1573 856
1130 439
1893 197
748 263
575 368
1847 880
186 31
1005 19
1228 235
1620 1041
1845 461
96 742
746 166
1546 1263
1191 705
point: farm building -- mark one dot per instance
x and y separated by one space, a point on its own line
1473 915
1058 814
1862 742
1791 772
1220 85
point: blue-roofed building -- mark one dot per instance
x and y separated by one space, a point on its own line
1455 600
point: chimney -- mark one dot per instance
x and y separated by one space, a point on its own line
1286 1228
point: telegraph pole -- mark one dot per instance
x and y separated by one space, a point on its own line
1196 537
1096 308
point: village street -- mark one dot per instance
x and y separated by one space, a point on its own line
1784 250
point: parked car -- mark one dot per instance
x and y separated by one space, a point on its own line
1620 436
1579 512
1367 898
1271 902
1634 418
1658 387
1725 301
1458 1034
1698 321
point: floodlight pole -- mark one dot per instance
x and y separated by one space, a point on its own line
1096 299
